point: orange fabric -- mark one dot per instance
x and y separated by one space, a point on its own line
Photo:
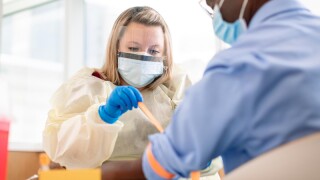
195 175
155 165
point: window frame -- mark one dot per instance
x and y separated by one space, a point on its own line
73 30
14 6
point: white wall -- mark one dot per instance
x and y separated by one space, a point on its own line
313 5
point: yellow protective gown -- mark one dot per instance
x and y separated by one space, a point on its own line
76 137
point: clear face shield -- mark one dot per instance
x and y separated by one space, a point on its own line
141 54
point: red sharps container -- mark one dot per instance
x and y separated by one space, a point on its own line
4 134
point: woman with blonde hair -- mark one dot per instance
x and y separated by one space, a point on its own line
81 131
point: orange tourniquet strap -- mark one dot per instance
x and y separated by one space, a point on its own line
156 167
195 175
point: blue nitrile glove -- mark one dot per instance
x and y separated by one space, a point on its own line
122 99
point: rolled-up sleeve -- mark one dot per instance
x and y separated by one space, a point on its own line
210 119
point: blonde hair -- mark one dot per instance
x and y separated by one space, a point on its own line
145 16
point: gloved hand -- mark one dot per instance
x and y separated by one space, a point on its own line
122 99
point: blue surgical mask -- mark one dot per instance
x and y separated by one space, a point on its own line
139 70
229 32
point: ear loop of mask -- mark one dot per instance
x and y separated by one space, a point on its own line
243 8
220 3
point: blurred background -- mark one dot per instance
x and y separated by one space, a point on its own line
44 42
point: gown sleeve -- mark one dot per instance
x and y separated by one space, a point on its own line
74 135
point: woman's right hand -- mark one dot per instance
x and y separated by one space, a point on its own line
122 99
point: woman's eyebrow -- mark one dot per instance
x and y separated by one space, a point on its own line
155 45
134 42
138 44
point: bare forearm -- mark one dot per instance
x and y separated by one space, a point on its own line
122 170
